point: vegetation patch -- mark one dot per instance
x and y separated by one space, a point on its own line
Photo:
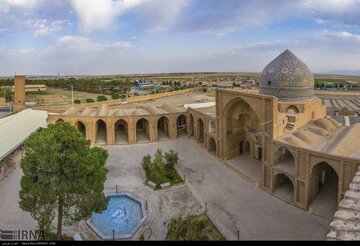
161 169
193 227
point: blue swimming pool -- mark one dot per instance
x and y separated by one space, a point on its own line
124 215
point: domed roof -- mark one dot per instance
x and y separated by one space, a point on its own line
288 78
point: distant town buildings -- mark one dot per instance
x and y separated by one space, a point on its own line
33 88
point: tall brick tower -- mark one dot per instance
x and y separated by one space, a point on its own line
19 96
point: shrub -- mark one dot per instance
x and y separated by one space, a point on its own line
77 101
89 100
101 98
115 96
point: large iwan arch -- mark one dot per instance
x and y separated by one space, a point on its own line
242 123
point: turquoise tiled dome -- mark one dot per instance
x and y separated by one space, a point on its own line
288 78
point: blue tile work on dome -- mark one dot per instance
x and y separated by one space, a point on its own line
287 78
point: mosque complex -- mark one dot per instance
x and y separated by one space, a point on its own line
279 138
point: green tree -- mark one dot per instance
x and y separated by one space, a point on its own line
101 98
89 100
171 158
115 96
63 176
77 101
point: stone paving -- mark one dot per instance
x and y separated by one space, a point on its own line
231 202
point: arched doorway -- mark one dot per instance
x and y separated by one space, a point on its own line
260 154
101 134
200 131
212 146
59 120
181 125
163 128
142 131
121 132
81 127
212 127
244 147
284 187
284 160
242 123
324 183
191 125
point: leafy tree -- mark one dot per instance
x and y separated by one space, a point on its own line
63 176
146 162
89 100
77 101
115 96
101 98
171 158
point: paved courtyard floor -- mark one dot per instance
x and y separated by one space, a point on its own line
232 202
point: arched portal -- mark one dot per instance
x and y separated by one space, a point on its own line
142 131
181 125
200 131
284 187
191 125
212 146
121 132
101 134
163 126
212 127
81 127
324 183
284 160
242 123
59 120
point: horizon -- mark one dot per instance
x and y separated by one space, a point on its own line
93 37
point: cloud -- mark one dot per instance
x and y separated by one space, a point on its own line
102 14
23 3
234 15
43 27
340 12
79 44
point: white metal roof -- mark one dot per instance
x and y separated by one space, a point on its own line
14 129
200 105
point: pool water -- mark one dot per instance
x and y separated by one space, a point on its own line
121 219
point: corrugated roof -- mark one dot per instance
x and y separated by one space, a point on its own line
16 128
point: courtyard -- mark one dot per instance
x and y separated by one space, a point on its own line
234 205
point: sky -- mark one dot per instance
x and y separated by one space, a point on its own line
95 37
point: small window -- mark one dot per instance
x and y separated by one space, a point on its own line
269 83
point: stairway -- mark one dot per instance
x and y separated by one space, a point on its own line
290 126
